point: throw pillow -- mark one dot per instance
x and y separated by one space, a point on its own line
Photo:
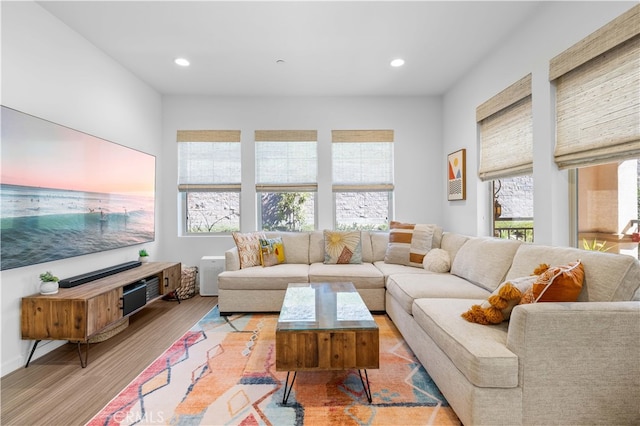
500 303
409 243
437 260
556 284
271 251
342 247
248 248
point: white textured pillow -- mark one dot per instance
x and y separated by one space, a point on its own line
437 260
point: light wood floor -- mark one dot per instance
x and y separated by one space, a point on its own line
55 390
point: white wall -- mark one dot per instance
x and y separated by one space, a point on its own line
51 72
555 27
418 154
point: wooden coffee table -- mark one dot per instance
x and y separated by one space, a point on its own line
325 326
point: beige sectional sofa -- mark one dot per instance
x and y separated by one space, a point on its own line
551 363
261 289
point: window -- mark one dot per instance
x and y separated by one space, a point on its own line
513 208
506 158
598 132
209 180
286 175
362 178
608 207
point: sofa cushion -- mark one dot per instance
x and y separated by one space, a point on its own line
556 284
316 247
409 243
379 243
367 249
452 242
405 288
342 247
437 260
388 269
608 277
271 251
258 278
485 261
363 275
478 351
296 245
248 248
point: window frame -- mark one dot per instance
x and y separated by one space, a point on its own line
189 182
366 184
293 181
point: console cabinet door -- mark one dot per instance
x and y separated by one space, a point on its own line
48 318
171 278
103 310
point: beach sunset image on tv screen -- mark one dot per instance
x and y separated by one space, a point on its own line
65 193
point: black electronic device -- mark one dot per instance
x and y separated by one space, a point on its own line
134 297
94 275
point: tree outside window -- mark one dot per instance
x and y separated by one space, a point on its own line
287 211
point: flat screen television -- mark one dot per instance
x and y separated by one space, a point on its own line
65 193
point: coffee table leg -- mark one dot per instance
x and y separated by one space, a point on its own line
366 387
285 397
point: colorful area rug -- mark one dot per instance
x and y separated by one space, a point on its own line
222 372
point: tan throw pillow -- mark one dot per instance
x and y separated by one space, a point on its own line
409 243
342 247
248 248
437 260
500 303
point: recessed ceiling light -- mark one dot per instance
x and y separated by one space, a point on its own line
182 62
397 62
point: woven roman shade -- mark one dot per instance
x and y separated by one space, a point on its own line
286 135
286 160
506 136
208 136
362 135
209 160
362 160
598 95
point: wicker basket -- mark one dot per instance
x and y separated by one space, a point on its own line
110 331
188 282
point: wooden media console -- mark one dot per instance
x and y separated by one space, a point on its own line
78 313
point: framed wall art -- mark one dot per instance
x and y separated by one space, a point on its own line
457 177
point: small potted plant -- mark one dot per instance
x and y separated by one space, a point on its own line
143 255
48 283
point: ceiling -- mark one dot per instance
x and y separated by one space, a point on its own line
329 48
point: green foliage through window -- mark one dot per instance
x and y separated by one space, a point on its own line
287 211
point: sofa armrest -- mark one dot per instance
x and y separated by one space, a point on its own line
232 259
578 360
